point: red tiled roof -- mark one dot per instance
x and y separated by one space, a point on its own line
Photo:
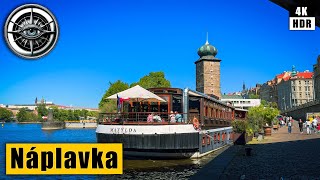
307 75
280 75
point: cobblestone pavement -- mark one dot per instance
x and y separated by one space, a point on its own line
282 155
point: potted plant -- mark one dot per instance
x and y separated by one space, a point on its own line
275 124
242 132
261 117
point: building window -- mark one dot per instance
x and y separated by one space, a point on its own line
299 88
300 95
306 88
300 82
294 88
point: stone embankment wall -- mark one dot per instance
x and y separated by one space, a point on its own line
301 111
80 125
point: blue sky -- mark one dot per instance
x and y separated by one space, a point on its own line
102 41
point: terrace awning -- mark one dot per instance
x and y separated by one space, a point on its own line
137 94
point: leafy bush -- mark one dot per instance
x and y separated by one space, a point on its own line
275 121
260 115
239 126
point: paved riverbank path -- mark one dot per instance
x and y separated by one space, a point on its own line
282 155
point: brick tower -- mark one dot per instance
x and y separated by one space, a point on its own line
208 71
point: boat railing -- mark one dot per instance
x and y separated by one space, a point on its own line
144 118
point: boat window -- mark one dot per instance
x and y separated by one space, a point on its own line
144 107
172 91
194 104
154 107
177 103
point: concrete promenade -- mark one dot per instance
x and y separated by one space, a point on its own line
282 155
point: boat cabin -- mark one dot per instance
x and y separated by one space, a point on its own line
185 103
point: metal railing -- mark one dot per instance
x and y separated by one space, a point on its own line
144 118
215 138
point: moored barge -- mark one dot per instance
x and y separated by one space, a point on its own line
205 125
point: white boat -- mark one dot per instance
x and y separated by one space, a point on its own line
205 126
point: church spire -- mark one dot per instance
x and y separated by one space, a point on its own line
207 42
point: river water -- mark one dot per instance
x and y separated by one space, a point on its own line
133 169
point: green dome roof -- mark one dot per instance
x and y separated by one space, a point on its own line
294 72
207 50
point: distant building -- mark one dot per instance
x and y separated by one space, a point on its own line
239 102
76 108
295 89
32 107
316 79
268 90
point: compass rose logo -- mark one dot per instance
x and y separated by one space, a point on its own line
31 31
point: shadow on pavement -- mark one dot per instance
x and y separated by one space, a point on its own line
296 159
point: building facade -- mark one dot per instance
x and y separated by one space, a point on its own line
296 90
242 103
316 79
208 71
268 91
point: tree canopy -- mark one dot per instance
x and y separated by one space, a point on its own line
25 115
153 80
254 96
5 114
260 115
115 87
72 115
42 110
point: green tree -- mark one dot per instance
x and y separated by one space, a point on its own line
70 115
153 80
84 113
63 115
115 87
254 96
109 106
274 105
5 114
55 112
77 114
260 115
22 115
93 114
42 110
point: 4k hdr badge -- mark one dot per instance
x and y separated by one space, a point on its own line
31 31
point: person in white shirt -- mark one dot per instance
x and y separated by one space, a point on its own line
289 126
172 117
308 127
315 123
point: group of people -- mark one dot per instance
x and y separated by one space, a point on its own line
285 120
173 117
311 125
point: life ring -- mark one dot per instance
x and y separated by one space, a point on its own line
195 123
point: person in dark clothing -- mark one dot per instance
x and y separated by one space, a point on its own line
301 126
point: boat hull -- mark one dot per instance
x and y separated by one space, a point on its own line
157 142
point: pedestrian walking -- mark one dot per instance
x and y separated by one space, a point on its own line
314 124
308 127
289 126
301 126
